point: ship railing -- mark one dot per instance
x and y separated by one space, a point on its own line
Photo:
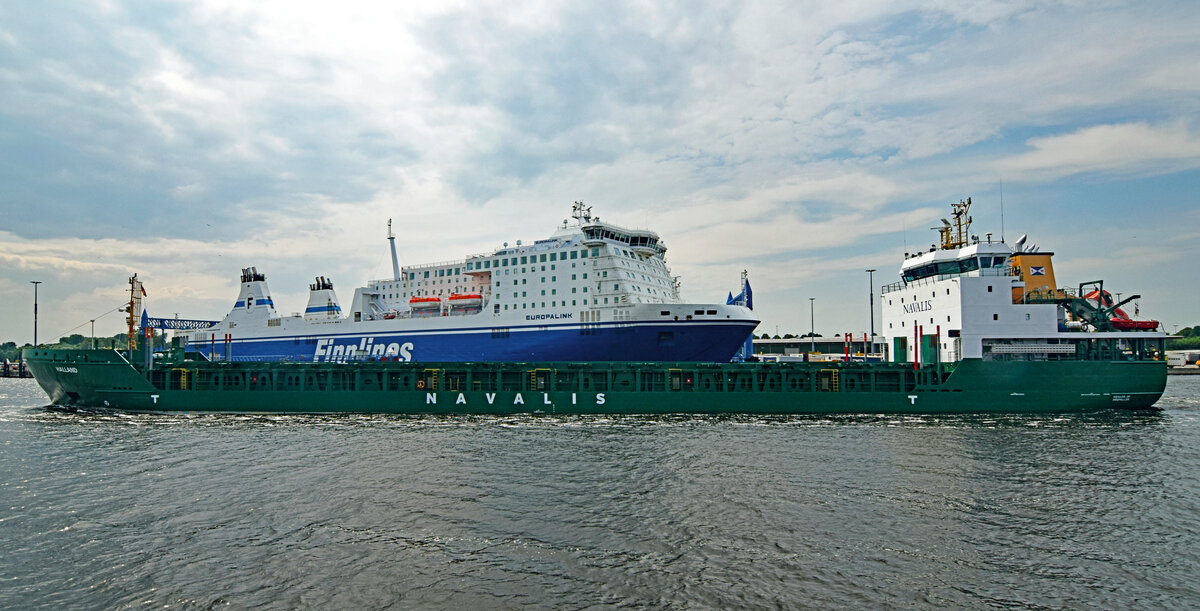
896 286
363 373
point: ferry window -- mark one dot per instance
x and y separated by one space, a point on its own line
514 294
469 266
585 289
555 292
457 271
524 260
616 287
522 293
514 283
596 252
947 291
426 274
543 278
553 278
583 253
542 258
572 276
572 289
524 280
989 288
995 316
574 254
543 292
1027 316
585 275
553 256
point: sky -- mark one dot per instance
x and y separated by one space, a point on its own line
803 142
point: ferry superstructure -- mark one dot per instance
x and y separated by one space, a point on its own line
971 299
592 291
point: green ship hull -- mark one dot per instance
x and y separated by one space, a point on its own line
106 380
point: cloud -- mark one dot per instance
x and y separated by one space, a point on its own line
1130 148
284 134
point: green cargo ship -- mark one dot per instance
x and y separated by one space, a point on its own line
106 379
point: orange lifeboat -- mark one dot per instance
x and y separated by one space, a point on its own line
466 300
1119 319
424 303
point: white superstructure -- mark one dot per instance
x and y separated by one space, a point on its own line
983 299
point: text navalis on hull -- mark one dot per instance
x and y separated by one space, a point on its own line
592 291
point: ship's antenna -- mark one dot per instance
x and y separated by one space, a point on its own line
395 262
1001 210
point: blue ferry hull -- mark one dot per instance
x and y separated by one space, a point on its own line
715 341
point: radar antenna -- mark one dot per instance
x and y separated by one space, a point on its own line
581 213
954 234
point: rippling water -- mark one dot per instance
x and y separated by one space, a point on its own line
109 510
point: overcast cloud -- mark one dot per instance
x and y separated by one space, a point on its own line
802 141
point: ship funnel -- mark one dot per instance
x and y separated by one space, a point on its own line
254 294
1020 243
322 301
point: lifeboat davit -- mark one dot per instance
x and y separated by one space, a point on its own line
424 303
1120 320
465 300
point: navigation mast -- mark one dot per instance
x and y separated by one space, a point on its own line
395 262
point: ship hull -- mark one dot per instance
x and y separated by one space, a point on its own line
704 341
104 380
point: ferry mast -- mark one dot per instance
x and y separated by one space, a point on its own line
392 242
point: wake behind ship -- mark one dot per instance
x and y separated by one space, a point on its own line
592 291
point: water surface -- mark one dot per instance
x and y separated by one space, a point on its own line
102 510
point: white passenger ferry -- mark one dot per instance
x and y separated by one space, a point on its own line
592 291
